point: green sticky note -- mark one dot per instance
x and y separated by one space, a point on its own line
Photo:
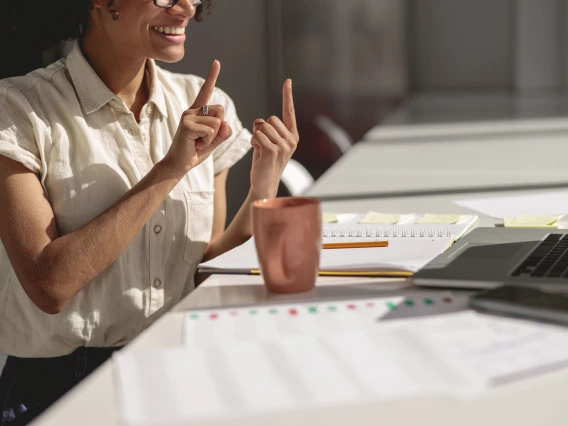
313 310
439 219
531 221
380 218
329 217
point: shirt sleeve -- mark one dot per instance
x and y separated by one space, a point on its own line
17 137
234 148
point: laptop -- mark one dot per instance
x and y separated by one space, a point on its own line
489 257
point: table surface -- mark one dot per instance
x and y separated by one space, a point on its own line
541 400
475 164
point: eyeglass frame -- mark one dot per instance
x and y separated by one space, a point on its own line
195 4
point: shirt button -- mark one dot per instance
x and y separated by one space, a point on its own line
131 131
143 137
148 109
157 229
157 283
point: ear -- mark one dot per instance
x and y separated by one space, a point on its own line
98 4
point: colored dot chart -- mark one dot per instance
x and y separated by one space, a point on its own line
301 319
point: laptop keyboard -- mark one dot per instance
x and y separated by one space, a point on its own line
549 259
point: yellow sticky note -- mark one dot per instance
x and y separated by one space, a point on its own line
380 218
329 217
439 219
531 221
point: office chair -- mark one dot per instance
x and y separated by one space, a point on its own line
334 132
296 178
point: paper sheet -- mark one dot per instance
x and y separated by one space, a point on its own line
444 219
531 221
329 217
380 218
461 354
548 204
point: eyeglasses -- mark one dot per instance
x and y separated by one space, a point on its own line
166 4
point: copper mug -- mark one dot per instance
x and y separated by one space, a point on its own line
287 234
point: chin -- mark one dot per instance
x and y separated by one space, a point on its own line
169 56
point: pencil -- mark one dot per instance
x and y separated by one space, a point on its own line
363 244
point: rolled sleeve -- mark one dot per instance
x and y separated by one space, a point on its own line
17 140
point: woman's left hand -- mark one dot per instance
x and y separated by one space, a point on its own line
274 141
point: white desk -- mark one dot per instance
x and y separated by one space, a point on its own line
374 170
539 401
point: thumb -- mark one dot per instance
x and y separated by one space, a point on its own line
208 86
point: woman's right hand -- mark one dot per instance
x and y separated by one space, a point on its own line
197 135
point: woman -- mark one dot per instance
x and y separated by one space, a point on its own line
112 181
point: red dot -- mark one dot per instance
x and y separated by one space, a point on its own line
448 300
293 312
351 307
370 305
214 316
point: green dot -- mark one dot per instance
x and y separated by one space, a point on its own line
313 310
429 301
391 305
194 316
332 309
273 311
253 312
409 303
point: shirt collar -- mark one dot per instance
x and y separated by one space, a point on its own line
91 90
156 90
94 94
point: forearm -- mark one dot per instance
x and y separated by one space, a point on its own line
70 262
239 231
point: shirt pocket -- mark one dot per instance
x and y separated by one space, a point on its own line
199 224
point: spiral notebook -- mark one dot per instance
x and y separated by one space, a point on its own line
352 225
412 245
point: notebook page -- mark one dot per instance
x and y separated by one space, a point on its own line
402 254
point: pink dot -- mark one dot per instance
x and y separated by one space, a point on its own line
214 316
351 307
447 300
293 312
234 314
370 305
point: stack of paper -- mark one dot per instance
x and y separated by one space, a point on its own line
458 354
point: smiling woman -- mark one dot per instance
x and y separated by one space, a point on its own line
113 187
67 19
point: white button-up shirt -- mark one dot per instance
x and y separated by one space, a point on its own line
64 124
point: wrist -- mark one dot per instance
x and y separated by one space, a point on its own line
165 169
255 195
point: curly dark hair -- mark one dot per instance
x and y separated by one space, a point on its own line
56 21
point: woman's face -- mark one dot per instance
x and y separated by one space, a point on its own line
142 29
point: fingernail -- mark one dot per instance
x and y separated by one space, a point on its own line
290 83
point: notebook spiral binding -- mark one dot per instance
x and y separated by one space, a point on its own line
360 231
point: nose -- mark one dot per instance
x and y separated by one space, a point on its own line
183 7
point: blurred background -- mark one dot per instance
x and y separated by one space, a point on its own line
359 63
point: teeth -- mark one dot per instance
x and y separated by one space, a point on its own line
170 30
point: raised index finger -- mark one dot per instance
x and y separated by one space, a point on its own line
208 86
288 111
